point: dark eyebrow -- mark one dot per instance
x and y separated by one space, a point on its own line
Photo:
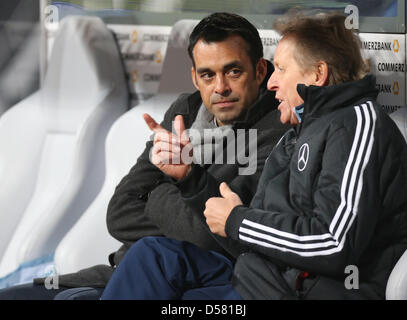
203 70
231 65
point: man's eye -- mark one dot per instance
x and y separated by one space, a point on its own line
206 76
234 73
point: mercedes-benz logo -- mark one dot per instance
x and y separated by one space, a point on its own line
303 155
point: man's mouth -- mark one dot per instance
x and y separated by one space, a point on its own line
283 105
225 103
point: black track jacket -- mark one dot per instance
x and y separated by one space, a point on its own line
332 195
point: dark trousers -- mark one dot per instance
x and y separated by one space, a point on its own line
161 268
32 291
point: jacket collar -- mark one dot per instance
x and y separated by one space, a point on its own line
323 100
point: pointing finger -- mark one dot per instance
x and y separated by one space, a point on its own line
179 127
152 124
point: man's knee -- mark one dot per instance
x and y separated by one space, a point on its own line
84 293
154 243
153 247
29 291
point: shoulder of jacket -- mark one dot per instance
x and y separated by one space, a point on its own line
185 101
364 111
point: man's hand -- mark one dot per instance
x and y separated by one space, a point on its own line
171 153
217 210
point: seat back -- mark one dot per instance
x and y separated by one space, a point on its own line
126 141
176 71
52 144
396 288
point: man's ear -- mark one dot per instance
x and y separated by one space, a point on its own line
193 73
321 73
261 70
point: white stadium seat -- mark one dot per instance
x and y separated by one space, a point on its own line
52 143
397 283
88 243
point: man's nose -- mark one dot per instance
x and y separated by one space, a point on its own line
272 83
222 85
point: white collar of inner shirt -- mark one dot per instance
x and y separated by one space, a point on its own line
215 122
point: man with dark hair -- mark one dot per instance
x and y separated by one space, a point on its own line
232 95
328 200
219 26
232 100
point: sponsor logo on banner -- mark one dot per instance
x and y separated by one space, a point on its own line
143 49
396 88
387 56
140 56
381 45
270 41
390 67
147 37
158 56
376 45
368 64
396 46
390 108
134 36
383 88
134 76
150 77
388 88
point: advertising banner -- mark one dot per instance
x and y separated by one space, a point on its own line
143 50
386 56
